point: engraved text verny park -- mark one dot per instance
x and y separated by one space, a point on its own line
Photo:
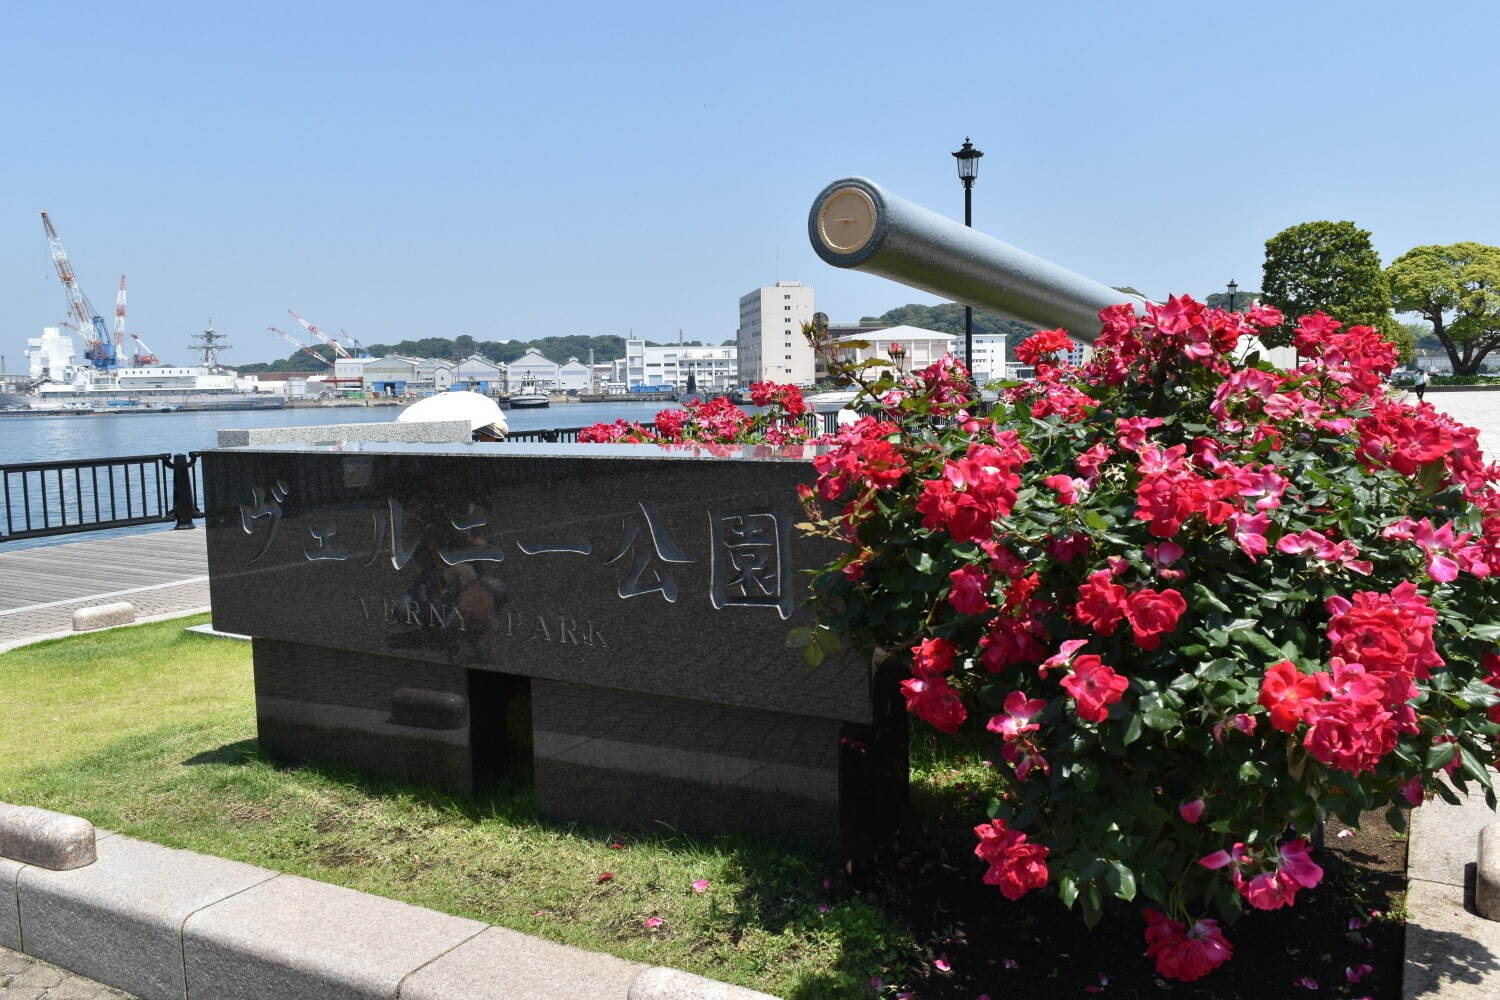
749 561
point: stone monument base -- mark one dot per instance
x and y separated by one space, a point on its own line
619 759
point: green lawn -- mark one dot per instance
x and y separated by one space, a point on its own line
150 731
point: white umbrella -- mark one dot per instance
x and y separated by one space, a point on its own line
484 415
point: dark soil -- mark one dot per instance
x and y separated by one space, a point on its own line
974 930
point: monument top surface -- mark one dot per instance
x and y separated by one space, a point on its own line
529 449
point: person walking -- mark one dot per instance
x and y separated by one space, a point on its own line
1421 385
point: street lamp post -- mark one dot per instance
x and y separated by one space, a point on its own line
1232 289
968 171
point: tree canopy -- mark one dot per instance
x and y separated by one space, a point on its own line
606 348
1456 288
948 317
1328 266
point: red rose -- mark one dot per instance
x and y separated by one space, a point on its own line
969 592
1016 867
1101 603
1153 614
1094 687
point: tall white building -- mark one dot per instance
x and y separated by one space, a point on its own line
51 355
989 356
769 339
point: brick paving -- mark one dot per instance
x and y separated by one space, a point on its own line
25 978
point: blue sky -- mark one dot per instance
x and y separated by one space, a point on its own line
514 171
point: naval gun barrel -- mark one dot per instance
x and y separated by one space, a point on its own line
855 223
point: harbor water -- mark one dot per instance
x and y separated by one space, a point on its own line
108 435
115 435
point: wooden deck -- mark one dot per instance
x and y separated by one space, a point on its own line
162 572
100 567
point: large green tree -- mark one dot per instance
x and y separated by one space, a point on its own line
1457 289
1328 266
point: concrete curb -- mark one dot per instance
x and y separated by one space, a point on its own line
166 924
45 839
103 616
671 984
1487 873
31 640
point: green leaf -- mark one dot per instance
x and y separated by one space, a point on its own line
1438 755
798 637
1473 767
1258 642
1120 880
1093 906
1489 632
1162 719
812 654
1132 729
1067 889
1210 598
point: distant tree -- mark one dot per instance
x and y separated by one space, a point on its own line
1243 299
1129 290
948 317
730 343
1328 266
1457 289
297 361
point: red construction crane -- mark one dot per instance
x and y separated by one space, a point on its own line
299 345
338 348
99 350
142 355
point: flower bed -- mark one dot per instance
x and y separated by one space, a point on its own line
1197 605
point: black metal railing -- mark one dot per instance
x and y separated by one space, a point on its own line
88 494
54 498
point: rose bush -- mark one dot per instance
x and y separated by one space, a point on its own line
716 421
1197 604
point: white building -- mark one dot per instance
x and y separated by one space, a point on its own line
989 356
535 365
480 374
574 376
714 369
50 355
393 375
921 347
769 339
668 366
349 373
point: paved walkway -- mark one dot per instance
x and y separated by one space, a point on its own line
1451 952
25 978
163 573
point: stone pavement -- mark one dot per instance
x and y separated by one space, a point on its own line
163 573
1480 410
25 978
1451 951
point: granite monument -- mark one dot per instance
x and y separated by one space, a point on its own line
609 619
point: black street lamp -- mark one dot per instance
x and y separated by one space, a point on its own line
968 172
1232 289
